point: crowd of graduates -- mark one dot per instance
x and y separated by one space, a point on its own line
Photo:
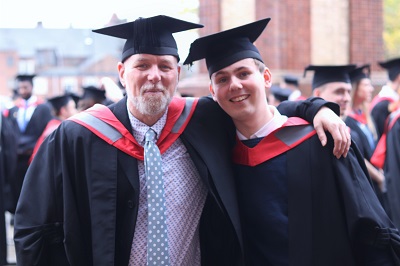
24 126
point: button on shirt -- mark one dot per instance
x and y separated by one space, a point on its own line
185 196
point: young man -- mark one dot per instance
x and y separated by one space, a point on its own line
29 117
93 204
298 204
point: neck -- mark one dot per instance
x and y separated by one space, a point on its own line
250 126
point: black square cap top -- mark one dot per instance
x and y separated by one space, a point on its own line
25 77
227 47
149 35
92 92
392 66
279 93
360 73
59 101
327 74
289 79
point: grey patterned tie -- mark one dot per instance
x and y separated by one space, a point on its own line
157 239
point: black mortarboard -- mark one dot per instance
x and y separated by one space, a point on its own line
279 93
327 74
92 92
360 73
227 47
24 77
59 101
289 79
392 66
149 35
74 97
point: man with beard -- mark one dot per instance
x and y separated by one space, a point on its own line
29 118
95 172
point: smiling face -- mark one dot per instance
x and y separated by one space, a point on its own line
150 82
240 90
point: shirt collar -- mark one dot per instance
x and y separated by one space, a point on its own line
139 128
276 122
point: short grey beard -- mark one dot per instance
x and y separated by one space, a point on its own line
152 105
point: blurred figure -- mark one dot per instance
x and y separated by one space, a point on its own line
359 120
292 83
387 100
8 160
91 96
277 95
63 107
29 117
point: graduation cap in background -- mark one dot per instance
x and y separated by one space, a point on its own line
74 97
24 77
279 93
289 79
149 35
92 92
392 66
59 101
227 47
327 74
360 73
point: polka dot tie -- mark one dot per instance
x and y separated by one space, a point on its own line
157 240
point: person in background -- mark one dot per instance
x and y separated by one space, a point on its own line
387 100
91 96
299 205
8 162
291 82
63 107
358 119
277 95
93 173
29 117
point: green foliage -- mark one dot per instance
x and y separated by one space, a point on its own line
391 34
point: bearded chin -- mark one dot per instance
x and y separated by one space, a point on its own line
151 105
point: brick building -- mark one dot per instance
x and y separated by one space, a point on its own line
300 33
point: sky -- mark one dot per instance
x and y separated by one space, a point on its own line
90 14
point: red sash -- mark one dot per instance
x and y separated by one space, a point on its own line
293 132
379 156
50 127
101 121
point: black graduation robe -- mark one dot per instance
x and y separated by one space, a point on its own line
380 113
26 142
391 168
88 203
334 216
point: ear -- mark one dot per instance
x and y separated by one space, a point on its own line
316 93
121 72
267 78
212 92
179 71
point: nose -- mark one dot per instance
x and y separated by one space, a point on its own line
154 75
235 84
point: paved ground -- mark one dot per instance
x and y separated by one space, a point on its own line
10 240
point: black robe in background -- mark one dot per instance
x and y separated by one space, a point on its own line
380 113
26 142
89 193
391 169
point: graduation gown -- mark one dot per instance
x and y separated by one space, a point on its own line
333 215
380 113
89 191
391 168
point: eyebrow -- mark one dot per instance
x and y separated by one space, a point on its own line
221 72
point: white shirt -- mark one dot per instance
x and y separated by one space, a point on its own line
25 112
276 122
185 197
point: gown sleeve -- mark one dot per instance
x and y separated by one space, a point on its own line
306 109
